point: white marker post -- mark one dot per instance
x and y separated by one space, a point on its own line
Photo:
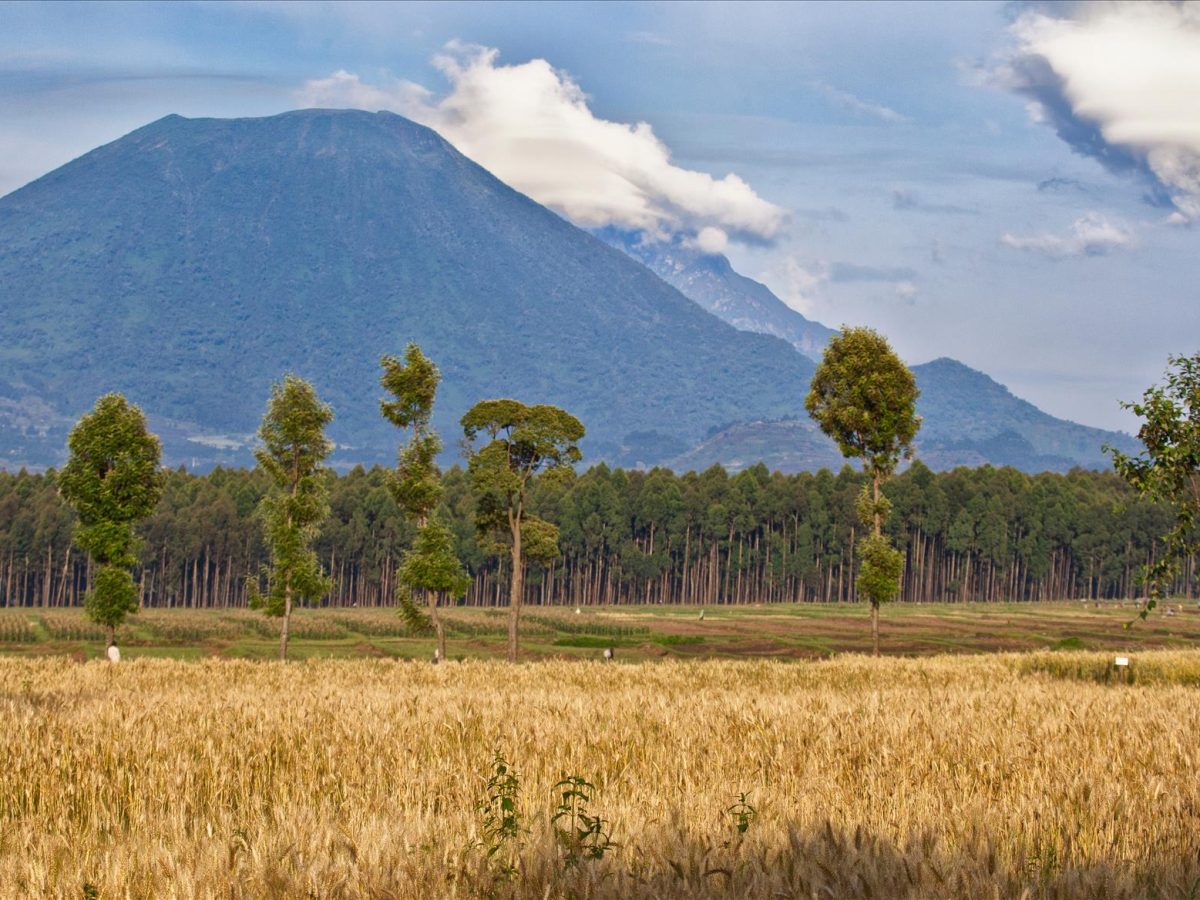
1122 664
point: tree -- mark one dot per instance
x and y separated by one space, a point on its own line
865 398
430 566
1168 470
293 447
113 481
523 440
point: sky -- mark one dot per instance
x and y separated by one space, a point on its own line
1011 185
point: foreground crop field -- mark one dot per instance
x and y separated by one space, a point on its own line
969 776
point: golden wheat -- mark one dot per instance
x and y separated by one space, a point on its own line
947 777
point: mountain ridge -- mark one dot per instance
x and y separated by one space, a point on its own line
192 262
225 252
711 281
968 419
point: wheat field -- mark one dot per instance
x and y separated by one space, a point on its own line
944 777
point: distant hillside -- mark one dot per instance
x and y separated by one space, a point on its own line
711 281
968 415
967 420
193 261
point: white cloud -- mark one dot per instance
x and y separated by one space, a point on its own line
861 107
798 285
906 291
712 240
530 125
343 89
1123 75
1090 235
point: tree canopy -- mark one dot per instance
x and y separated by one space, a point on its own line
294 446
524 440
865 398
1168 470
113 481
430 566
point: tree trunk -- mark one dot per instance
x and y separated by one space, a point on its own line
516 586
438 626
874 629
287 616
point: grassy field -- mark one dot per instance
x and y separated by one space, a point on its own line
809 631
1000 775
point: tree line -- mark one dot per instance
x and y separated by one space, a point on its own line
630 537
591 538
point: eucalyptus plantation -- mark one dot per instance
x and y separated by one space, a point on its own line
523 441
429 566
865 398
293 447
113 481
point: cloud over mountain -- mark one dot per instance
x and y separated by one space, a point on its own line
530 124
1119 82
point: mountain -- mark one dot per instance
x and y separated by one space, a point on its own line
709 280
194 261
968 419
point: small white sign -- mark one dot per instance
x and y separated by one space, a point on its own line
1122 660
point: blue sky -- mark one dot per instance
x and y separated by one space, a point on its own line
1013 186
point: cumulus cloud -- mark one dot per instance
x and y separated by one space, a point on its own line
712 240
530 125
1119 82
1090 235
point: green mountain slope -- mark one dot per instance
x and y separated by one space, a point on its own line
192 262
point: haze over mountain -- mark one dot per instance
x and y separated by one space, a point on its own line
711 281
192 262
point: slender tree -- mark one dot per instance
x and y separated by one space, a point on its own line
1168 470
430 566
523 440
293 447
865 398
113 480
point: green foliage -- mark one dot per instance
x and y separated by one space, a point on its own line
416 620
416 483
1168 470
864 397
413 384
431 564
112 597
880 565
742 813
539 540
524 440
112 479
500 815
870 509
294 446
581 835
